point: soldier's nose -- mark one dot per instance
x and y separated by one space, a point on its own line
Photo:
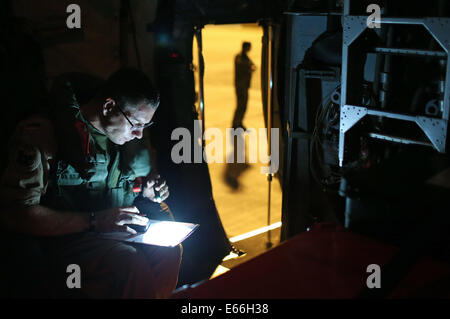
137 134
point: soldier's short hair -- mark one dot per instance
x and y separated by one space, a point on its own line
130 87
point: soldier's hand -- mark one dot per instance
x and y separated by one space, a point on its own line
156 189
115 219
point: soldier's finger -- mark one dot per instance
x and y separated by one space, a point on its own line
130 209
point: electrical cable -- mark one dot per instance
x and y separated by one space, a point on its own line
133 30
323 114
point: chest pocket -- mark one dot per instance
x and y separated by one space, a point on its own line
98 172
92 188
68 176
123 194
94 176
82 188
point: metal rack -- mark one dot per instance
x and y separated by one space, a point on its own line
434 128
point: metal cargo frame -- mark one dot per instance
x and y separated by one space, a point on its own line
434 128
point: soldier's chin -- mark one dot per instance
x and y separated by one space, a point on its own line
126 140
119 141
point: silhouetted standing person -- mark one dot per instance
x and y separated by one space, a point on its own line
243 68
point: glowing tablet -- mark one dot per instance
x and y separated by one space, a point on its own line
159 233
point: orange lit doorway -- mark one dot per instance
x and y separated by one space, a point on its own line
244 209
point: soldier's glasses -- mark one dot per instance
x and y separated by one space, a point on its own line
134 126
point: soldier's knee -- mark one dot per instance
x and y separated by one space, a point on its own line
175 254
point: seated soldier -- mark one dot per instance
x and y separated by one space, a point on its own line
71 175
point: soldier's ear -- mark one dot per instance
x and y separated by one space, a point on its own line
108 106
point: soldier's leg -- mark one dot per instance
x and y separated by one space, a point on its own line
242 98
113 269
